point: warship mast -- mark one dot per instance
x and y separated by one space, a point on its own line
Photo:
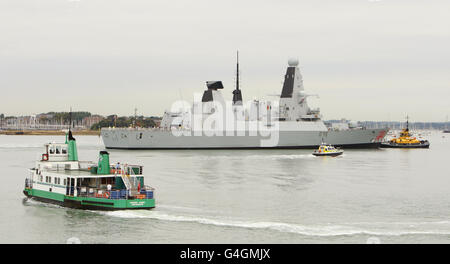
237 94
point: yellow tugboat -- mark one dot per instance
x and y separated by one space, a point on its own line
405 140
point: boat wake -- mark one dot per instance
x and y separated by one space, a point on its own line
32 202
259 157
379 229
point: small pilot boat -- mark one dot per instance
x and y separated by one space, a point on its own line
327 150
405 140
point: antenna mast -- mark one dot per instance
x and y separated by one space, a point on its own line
407 123
237 95
70 118
237 70
135 117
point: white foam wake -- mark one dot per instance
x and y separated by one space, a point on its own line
431 228
259 157
32 202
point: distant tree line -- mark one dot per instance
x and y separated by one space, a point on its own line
124 121
64 116
2 116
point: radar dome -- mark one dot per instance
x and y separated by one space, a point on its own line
293 62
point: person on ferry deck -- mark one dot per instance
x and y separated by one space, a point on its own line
117 167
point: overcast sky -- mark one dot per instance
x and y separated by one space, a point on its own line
368 60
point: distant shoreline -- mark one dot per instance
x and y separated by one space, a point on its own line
48 132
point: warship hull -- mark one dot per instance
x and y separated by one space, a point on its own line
116 138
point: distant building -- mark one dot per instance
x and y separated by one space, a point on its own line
91 120
157 122
44 116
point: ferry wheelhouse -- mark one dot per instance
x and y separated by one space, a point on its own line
60 178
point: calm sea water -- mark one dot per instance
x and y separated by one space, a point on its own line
245 196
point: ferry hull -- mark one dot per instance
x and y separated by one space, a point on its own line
89 203
159 139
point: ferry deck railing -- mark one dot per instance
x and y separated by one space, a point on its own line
130 180
121 194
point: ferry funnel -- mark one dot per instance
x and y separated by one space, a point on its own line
72 147
103 163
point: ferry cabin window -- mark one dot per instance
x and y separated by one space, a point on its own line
108 181
64 150
58 149
52 150
65 182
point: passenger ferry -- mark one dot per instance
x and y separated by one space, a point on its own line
60 178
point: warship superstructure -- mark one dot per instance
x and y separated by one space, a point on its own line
213 123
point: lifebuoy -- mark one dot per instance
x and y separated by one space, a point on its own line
106 195
45 157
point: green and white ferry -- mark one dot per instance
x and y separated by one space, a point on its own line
60 178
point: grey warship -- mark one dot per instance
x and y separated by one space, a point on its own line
286 123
